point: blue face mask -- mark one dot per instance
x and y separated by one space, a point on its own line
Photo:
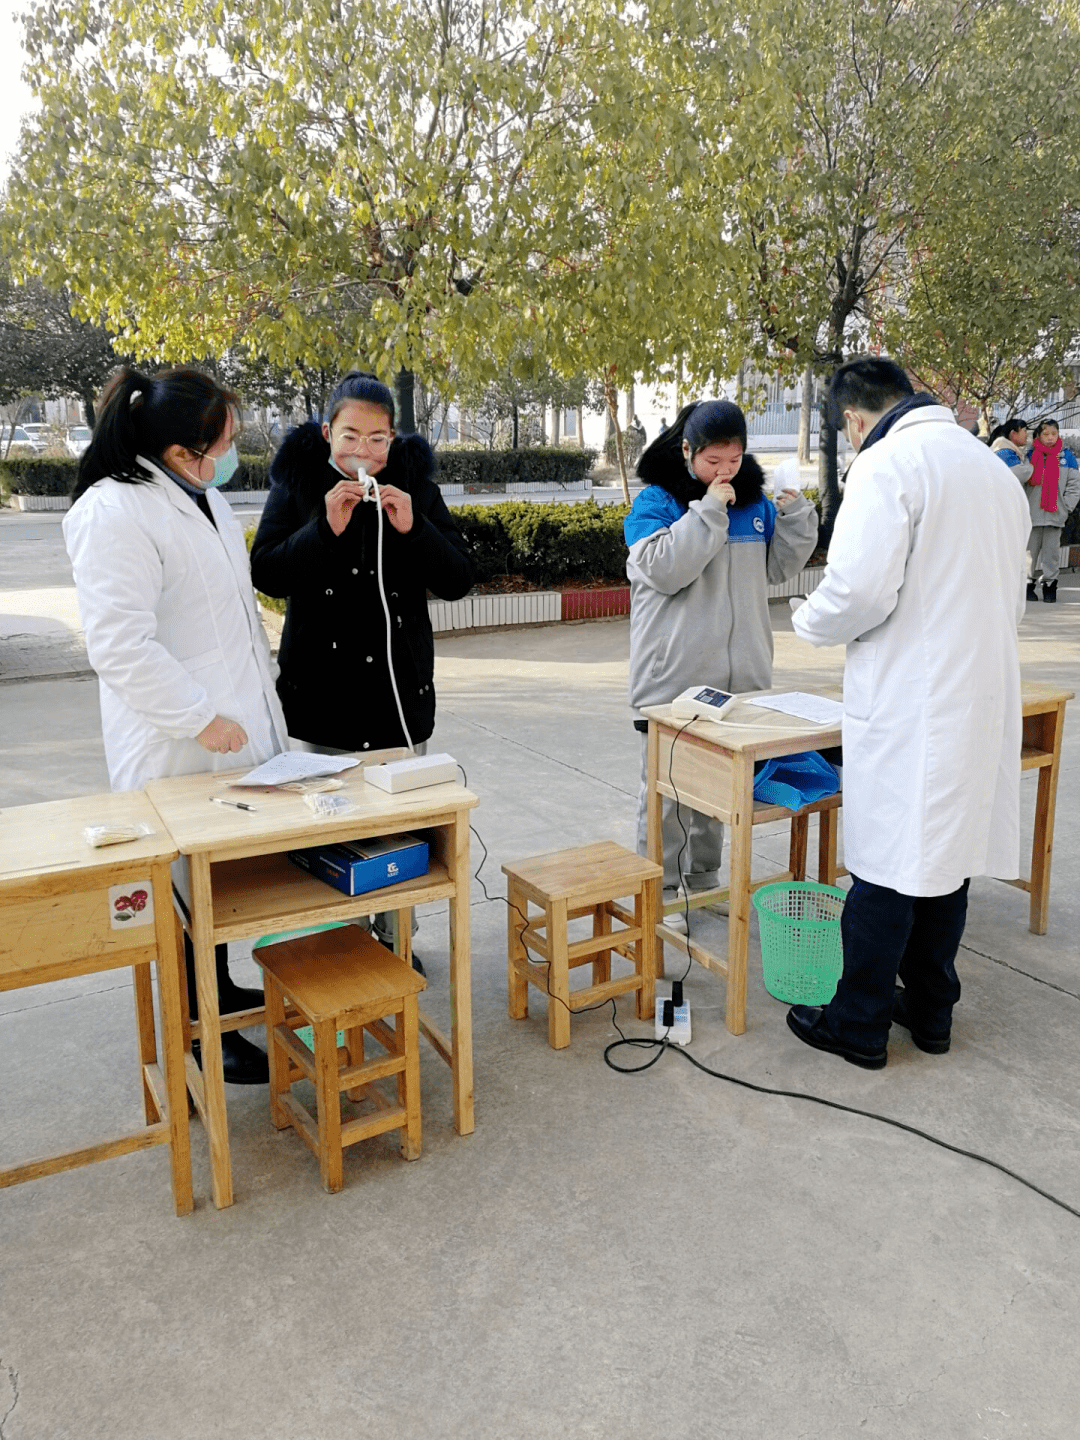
224 468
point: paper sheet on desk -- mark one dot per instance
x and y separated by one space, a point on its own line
295 765
818 709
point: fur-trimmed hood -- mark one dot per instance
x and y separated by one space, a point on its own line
305 452
749 483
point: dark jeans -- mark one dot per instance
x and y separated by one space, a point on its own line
886 935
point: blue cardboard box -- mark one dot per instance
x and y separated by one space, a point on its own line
362 865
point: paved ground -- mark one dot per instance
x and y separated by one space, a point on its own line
608 1257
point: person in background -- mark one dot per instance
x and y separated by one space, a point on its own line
184 668
705 543
318 545
1053 490
932 722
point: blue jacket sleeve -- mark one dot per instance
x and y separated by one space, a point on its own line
653 510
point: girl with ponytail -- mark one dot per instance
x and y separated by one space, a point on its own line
184 669
705 542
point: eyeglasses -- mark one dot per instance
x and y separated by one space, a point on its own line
378 442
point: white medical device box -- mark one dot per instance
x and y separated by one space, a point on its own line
418 770
702 702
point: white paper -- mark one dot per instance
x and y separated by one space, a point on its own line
786 476
295 765
815 708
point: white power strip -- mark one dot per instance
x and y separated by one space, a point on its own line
411 774
679 1033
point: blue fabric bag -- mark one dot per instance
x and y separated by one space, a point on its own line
795 780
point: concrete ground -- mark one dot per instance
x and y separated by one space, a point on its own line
607 1256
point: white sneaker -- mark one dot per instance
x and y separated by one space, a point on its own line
720 908
677 921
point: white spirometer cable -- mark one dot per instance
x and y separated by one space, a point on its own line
363 476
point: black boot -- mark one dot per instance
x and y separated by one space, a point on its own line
1031 590
231 997
1050 592
243 1062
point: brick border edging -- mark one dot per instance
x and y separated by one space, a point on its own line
552 606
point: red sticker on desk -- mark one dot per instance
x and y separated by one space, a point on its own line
131 905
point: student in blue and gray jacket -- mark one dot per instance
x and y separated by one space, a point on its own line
705 542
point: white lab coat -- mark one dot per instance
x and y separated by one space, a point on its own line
925 585
172 629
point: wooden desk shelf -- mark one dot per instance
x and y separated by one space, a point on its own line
264 894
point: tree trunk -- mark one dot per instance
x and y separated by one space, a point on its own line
514 422
611 395
88 406
828 473
631 408
405 388
309 409
556 425
805 413
581 427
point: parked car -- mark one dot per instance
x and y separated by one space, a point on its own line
21 443
77 439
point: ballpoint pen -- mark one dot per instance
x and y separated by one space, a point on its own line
236 804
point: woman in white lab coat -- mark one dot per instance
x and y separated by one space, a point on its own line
925 586
172 630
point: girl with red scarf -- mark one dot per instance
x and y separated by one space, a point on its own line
1053 490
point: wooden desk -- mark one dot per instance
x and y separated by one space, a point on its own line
59 918
243 886
1044 723
711 767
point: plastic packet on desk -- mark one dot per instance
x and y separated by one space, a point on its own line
115 834
327 807
313 787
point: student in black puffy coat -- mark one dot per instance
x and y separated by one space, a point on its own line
317 546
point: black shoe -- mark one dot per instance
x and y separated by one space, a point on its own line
808 1023
1031 590
1050 592
244 1063
232 998
927 1043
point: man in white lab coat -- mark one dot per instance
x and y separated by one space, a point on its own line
925 586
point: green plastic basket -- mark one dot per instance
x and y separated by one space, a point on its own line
801 950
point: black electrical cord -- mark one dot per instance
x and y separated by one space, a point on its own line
662 1043
584 1009
665 1044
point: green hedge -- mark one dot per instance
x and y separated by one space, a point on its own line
492 469
547 544
37 475
40 475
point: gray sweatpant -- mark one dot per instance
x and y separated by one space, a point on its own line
700 858
1044 548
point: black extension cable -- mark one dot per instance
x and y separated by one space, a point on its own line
662 1044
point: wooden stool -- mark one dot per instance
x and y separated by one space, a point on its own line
565 885
342 980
